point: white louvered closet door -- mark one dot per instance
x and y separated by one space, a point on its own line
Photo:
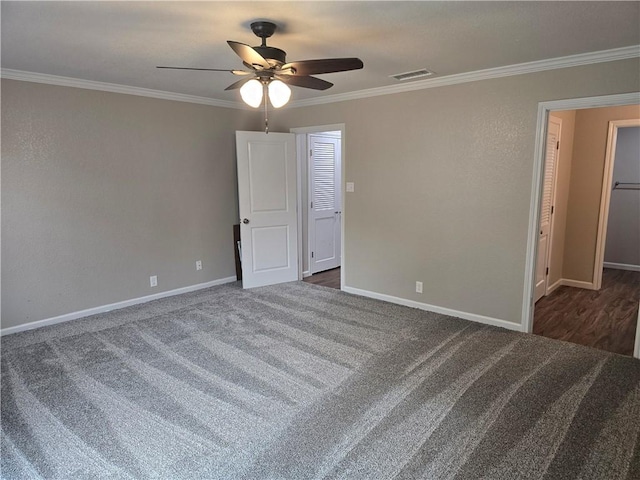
546 207
325 203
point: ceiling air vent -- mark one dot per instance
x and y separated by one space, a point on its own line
411 75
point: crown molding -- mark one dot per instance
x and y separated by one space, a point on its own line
112 87
602 56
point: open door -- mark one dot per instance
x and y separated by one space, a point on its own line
546 208
268 212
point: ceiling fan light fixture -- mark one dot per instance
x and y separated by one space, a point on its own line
279 93
251 93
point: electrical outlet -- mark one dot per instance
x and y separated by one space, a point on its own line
350 187
198 264
418 287
153 280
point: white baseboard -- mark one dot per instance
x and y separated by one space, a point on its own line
306 274
113 306
555 285
636 348
578 284
496 322
569 283
622 266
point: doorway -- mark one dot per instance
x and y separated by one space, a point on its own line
582 274
320 152
325 201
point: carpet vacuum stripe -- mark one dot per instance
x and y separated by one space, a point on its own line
298 381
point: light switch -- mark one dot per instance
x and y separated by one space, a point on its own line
351 187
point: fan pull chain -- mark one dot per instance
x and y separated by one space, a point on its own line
266 115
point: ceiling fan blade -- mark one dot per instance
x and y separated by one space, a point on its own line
305 81
235 72
249 55
326 65
238 84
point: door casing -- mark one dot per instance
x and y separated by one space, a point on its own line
605 200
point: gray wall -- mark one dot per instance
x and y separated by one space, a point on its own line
101 190
623 227
443 183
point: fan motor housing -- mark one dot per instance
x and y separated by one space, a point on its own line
272 54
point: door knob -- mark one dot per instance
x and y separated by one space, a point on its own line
245 221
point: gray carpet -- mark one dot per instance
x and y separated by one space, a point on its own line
297 381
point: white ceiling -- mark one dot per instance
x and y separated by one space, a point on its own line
122 42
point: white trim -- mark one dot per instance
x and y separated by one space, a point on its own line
565 282
602 56
528 298
623 53
605 198
555 285
113 87
621 266
536 185
301 146
113 306
334 127
306 274
496 322
636 348
579 284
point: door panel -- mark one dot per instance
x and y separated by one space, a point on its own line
270 247
267 177
267 203
326 205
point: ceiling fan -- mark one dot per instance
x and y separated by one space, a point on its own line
270 73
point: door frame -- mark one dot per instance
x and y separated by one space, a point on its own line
544 109
605 199
636 348
301 150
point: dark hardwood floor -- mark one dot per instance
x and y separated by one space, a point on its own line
604 319
328 278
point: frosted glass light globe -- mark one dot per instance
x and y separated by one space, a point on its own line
251 93
279 93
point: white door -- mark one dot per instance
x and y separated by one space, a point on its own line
546 208
267 201
325 208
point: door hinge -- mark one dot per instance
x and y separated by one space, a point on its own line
551 209
311 153
311 254
547 271
558 145
311 204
